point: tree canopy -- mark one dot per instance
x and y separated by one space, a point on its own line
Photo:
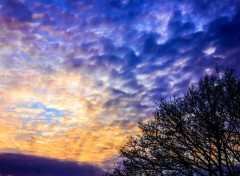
195 134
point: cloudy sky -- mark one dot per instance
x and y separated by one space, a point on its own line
77 75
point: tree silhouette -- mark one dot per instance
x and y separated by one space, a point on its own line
196 134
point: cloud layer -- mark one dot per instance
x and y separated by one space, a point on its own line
76 76
23 165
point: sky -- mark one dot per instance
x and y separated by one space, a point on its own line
77 75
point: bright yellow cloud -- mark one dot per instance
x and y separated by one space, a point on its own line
85 132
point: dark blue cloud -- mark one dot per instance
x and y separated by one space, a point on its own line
16 10
150 42
133 34
225 35
179 28
24 165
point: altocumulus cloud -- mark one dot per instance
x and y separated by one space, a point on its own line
95 67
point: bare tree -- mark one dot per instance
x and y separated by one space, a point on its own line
196 134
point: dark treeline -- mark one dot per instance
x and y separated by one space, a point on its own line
196 134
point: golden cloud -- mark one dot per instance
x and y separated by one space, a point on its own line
84 132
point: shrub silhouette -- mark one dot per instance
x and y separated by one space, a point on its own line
196 134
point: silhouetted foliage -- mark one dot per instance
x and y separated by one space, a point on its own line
196 134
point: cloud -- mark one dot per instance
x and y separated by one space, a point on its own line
62 115
84 72
17 10
23 165
224 33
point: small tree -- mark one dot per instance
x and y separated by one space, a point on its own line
197 134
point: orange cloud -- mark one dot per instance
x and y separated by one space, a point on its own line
85 132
